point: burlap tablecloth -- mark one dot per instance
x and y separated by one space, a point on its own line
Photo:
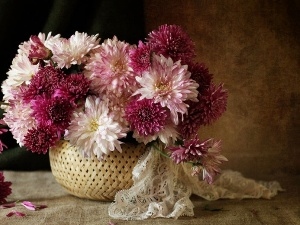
41 188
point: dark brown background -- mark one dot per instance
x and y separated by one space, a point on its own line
253 47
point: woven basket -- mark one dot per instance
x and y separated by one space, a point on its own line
90 178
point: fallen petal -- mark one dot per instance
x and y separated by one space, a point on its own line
7 205
28 205
12 213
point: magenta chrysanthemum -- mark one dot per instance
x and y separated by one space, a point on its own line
5 189
172 41
39 140
200 73
145 116
45 81
74 87
140 58
54 112
192 150
211 105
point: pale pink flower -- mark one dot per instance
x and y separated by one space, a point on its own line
18 117
93 130
211 162
72 51
21 71
169 84
109 68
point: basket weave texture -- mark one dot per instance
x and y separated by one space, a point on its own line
90 178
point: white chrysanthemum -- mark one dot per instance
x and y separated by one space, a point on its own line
72 51
18 117
94 131
20 72
169 84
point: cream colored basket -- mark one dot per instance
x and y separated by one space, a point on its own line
90 178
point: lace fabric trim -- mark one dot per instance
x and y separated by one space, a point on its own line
163 189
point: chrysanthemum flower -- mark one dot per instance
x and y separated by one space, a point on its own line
25 47
74 87
21 71
145 117
169 84
45 82
211 162
18 117
192 150
140 58
172 41
2 131
109 67
55 112
38 51
5 189
200 73
93 130
72 51
211 105
40 139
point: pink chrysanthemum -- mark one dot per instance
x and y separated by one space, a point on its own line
200 73
38 51
2 131
94 130
211 162
146 117
45 81
109 68
192 150
211 105
74 87
5 189
40 139
140 58
54 112
18 117
172 41
169 84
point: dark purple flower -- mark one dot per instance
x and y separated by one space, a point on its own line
44 82
200 73
74 87
172 41
54 112
140 58
39 140
211 105
145 116
5 189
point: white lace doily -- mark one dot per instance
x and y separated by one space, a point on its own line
163 189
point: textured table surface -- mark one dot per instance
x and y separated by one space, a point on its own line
41 188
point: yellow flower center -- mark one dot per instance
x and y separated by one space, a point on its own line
94 125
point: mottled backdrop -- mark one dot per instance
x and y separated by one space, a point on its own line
253 47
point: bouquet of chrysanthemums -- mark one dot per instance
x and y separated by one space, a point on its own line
99 94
